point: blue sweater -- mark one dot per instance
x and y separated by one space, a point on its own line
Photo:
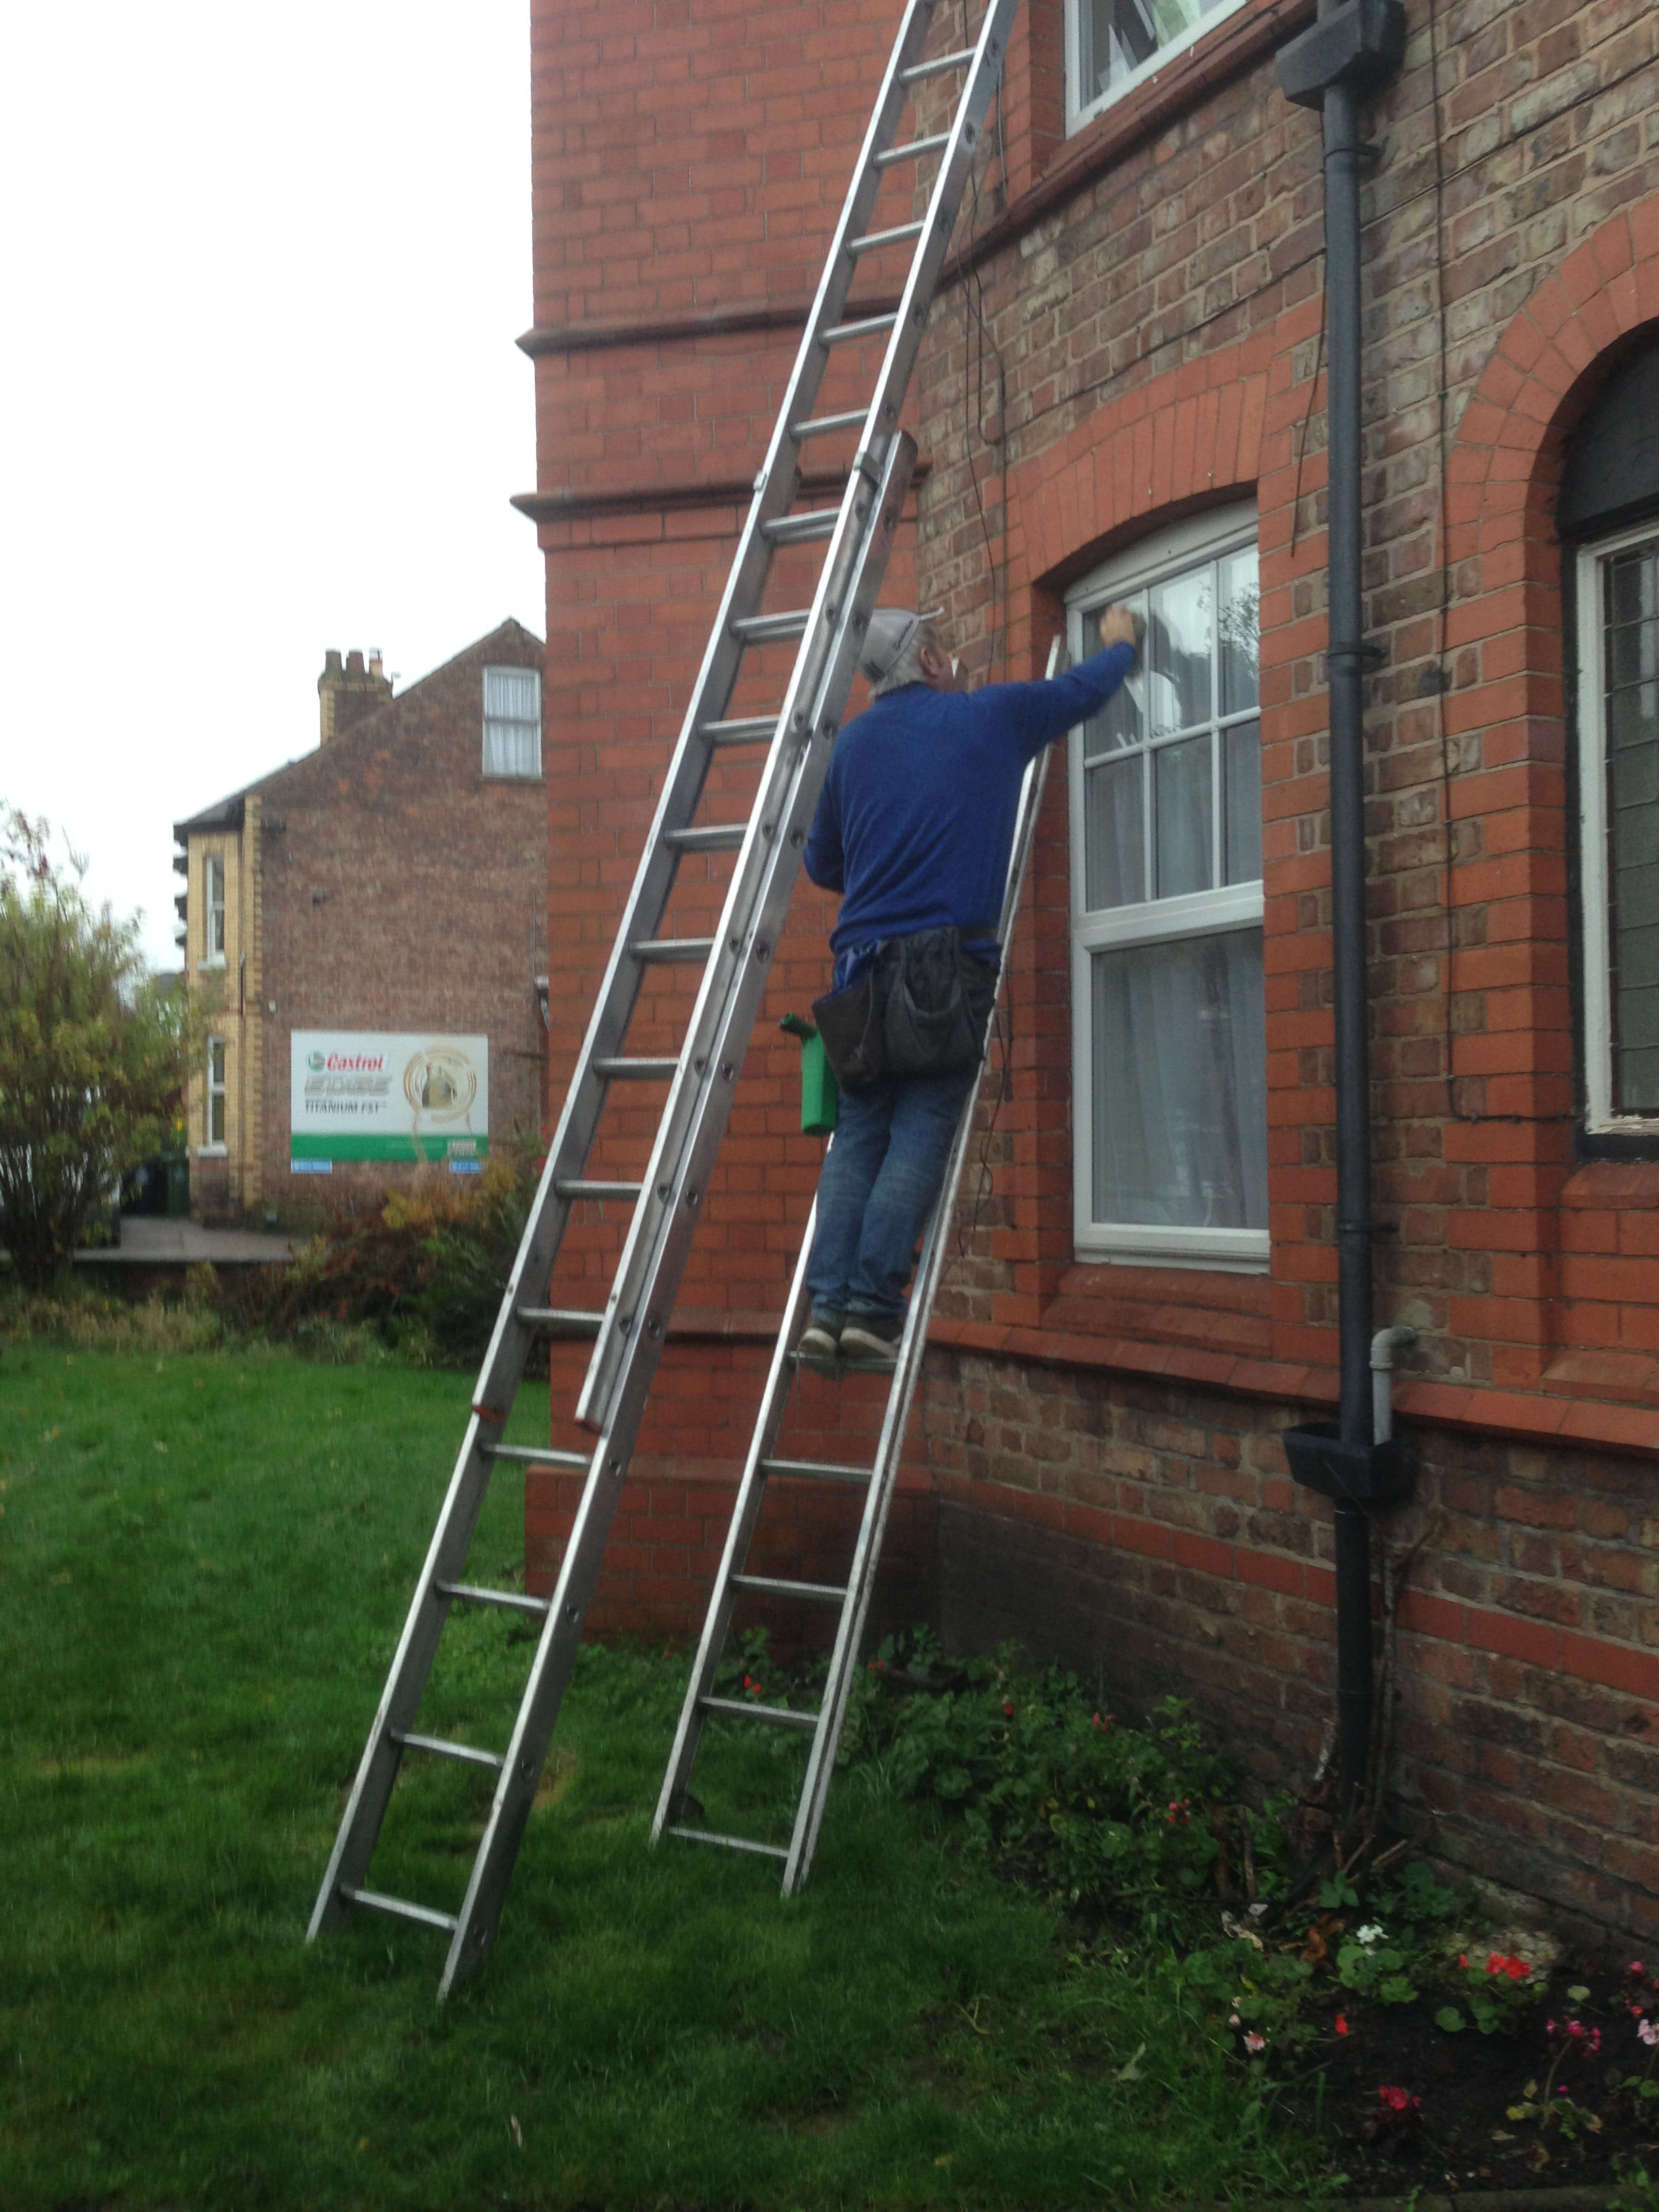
915 822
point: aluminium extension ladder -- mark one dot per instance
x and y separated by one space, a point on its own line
878 1482
798 735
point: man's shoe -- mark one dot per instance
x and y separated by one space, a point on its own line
872 1338
820 1339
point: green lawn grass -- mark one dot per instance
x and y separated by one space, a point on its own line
202 1564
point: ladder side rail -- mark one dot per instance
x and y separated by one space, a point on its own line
938 224
561 1635
838 1686
660 1234
406 1679
751 1492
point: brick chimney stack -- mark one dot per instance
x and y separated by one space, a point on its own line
347 692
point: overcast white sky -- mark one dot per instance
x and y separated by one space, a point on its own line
261 270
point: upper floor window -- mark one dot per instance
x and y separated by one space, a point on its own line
1111 45
213 902
1169 1075
1617 593
511 722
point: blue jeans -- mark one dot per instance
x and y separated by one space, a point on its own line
883 1174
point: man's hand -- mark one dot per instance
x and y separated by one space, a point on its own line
1119 626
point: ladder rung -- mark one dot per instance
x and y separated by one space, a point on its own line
874 240
539 1455
562 1320
780 1589
816 1470
826 423
578 1188
766 630
913 150
742 1708
729 1842
442 1748
802 528
746 730
672 951
508 1600
400 1908
714 837
871 326
637 1071
919 70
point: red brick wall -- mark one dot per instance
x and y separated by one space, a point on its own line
1150 293
405 891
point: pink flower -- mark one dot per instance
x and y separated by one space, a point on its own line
1398 2100
1253 2042
1636 1967
1341 2024
1648 2032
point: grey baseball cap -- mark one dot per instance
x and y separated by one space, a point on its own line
890 631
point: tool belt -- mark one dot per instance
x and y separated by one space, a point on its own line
920 1008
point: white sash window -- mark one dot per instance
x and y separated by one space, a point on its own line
1168 1011
512 722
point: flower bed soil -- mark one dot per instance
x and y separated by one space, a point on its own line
1458 2129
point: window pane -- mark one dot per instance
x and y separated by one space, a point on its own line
1178 650
1241 750
1121 721
1631 655
1114 835
1116 36
1184 818
1180 1095
1238 625
514 694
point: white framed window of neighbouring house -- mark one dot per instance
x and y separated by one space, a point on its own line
213 910
1112 46
1618 611
213 1119
1168 1030
512 722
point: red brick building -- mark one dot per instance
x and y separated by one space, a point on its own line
391 883
1122 393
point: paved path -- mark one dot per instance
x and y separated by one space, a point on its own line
150 1240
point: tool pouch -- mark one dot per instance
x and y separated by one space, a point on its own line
938 1000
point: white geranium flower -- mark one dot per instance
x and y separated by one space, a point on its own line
1372 1934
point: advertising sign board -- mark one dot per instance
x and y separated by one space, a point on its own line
371 1094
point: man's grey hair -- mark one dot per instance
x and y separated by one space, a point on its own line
908 668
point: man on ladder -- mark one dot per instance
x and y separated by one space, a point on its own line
914 828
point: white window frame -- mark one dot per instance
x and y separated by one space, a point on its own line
213 910
214 1148
1602 1118
1197 914
1080 112
513 722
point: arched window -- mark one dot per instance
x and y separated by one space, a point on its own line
1609 514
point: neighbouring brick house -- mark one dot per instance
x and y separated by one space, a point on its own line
1121 395
391 885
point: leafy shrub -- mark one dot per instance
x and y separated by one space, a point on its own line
1111 1820
424 1271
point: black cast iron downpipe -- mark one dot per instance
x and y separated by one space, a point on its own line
1349 51
1346 651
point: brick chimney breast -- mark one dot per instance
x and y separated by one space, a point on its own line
347 690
